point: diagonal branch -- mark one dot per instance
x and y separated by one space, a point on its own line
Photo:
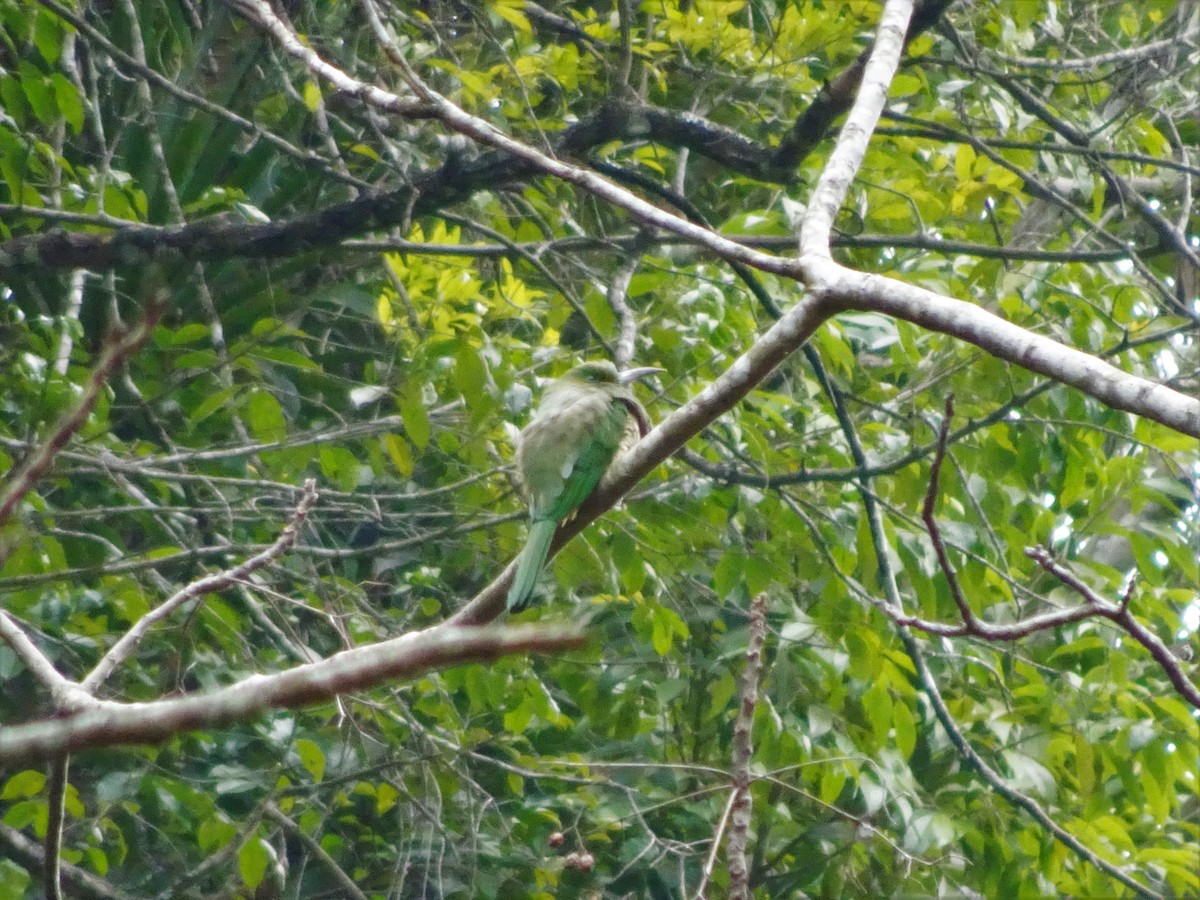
997 782
120 346
207 585
65 693
1124 618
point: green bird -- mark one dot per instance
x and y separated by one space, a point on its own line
586 420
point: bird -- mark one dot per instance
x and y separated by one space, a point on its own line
586 419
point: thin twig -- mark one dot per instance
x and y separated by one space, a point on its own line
710 863
618 299
999 784
1120 614
56 799
207 585
119 347
345 882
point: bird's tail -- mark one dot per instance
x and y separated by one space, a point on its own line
529 565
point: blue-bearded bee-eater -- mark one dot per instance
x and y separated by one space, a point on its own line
586 420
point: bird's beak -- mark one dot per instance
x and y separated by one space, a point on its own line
631 375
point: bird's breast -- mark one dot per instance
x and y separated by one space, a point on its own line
567 425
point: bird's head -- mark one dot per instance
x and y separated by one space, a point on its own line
604 372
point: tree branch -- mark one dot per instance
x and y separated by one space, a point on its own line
83 883
404 657
1122 616
345 882
119 346
997 782
207 585
741 802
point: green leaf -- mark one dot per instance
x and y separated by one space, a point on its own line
15 877
397 450
517 720
98 860
187 334
48 36
833 778
253 859
70 104
877 703
312 96
340 466
666 625
312 758
727 574
28 783
386 797
416 420
469 374
214 833
510 11
264 416
212 403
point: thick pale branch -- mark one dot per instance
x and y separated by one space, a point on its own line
350 670
64 692
1120 390
852 141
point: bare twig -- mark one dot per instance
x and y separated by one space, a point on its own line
345 882
1101 59
119 347
710 863
1120 614
999 784
56 799
207 585
1093 605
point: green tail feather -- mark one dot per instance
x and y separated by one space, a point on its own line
529 566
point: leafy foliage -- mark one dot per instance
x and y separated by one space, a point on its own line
394 359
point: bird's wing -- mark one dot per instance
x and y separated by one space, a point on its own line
563 455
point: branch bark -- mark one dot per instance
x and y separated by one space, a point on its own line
109 724
743 749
